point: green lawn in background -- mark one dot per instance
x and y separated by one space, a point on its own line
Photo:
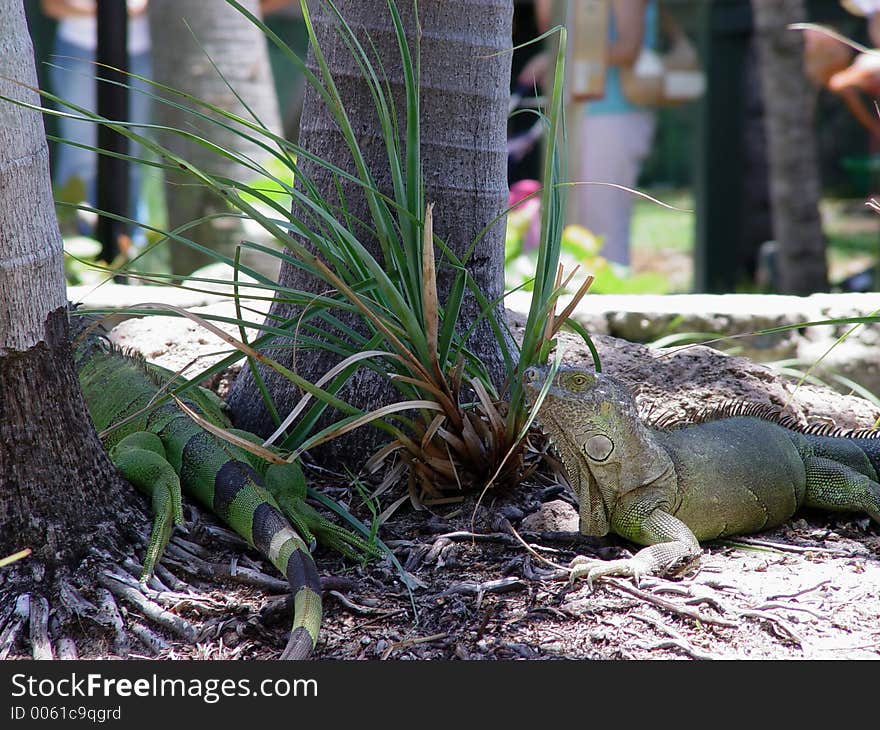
851 229
661 229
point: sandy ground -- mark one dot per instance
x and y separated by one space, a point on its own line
465 587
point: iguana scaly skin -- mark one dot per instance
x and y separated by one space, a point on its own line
161 451
670 488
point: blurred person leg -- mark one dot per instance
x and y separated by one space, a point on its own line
613 149
139 111
72 76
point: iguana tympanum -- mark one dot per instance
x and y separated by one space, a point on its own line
736 473
161 451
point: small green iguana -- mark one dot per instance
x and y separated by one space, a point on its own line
668 488
161 451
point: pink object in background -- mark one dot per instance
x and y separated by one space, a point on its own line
530 209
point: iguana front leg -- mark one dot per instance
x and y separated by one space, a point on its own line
671 545
140 458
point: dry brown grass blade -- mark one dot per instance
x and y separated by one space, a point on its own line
231 438
513 447
432 429
570 276
323 380
391 509
452 440
454 379
484 431
441 465
570 307
358 302
413 491
452 461
9 559
551 315
430 300
376 460
202 322
473 444
422 475
442 500
449 407
488 406
131 417
391 479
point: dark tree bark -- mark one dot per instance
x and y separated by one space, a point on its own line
757 223
465 75
187 36
58 490
791 145
59 493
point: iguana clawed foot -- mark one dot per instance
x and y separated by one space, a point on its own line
594 569
641 564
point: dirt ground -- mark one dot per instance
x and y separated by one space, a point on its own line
808 590
466 587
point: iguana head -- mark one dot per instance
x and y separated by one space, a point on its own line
607 451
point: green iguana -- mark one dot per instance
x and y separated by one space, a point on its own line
161 451
668 488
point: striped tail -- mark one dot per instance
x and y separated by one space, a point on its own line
278 541
241 500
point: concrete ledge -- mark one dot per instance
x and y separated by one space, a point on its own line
646 318
123 296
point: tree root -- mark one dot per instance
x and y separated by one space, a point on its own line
41 647
113 606
675 640
727 615
111 619
148 638
197 566
66 648
14 624
119 585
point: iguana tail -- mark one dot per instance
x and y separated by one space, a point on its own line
240 499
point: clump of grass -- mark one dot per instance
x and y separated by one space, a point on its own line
452 426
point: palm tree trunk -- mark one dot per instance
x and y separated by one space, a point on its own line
59 493
188 35
791 145
465 73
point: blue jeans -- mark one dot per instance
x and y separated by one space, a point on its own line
72 77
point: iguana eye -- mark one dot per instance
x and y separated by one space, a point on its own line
598 447
579 380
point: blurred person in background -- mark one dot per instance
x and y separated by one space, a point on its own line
72 77
616 134
855 77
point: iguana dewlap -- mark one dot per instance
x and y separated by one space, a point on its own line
670 488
